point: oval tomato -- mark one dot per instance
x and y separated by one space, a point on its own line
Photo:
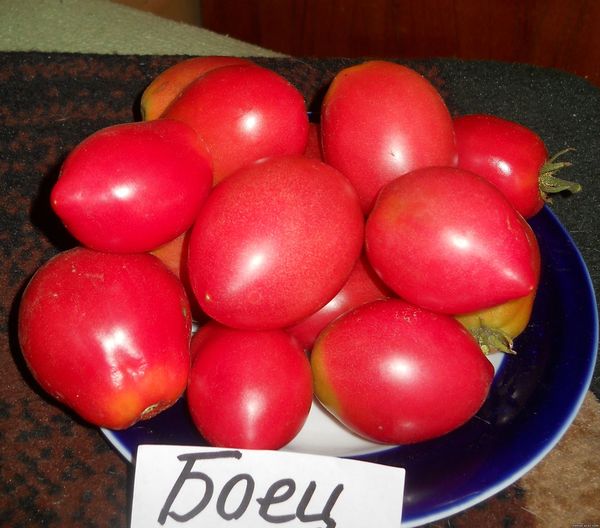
170 83
396 373
380 120
133 187
243 113
107 334
249 389
513 157
363 286
274 242
448 240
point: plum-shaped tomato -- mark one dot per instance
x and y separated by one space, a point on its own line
107 334
274 242
243 113
380 120
448 240
134 186
363 285
170 83
248 389
396 373
512 157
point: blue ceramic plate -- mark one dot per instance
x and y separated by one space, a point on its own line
535 397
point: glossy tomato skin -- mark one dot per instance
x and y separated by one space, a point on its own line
244 113
497 326
449 241
399 374
134 186
380 120
274 242
170 83
505 153
363 286
249 389
107 335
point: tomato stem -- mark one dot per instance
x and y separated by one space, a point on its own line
492 340
549 183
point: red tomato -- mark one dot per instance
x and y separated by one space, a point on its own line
249 389
496 327
362 286
169 84
244 113
395 373
512 157
380 120
107 334
274 242
449 241
133 187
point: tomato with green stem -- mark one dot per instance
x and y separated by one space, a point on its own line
512 157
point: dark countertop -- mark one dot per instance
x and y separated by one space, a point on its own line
57 471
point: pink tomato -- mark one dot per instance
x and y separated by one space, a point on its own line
363 286
243 113
107 334
133 187
249 389
512 157
448 240
380 120
396 373
274 242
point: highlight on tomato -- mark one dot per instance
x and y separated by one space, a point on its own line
248 389
274 242
496 328
396 373
107 334
379 120
446 239
512 157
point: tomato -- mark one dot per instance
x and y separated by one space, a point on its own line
496 327
133 187
173 254
244 113
169 84
449 241
107 334
380 120
396 373
274 242
249 389
362 286
512 157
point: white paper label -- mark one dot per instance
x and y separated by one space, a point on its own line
217 487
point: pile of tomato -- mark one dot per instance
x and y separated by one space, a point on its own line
371 259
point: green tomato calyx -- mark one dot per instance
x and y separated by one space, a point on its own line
492 340
548 181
